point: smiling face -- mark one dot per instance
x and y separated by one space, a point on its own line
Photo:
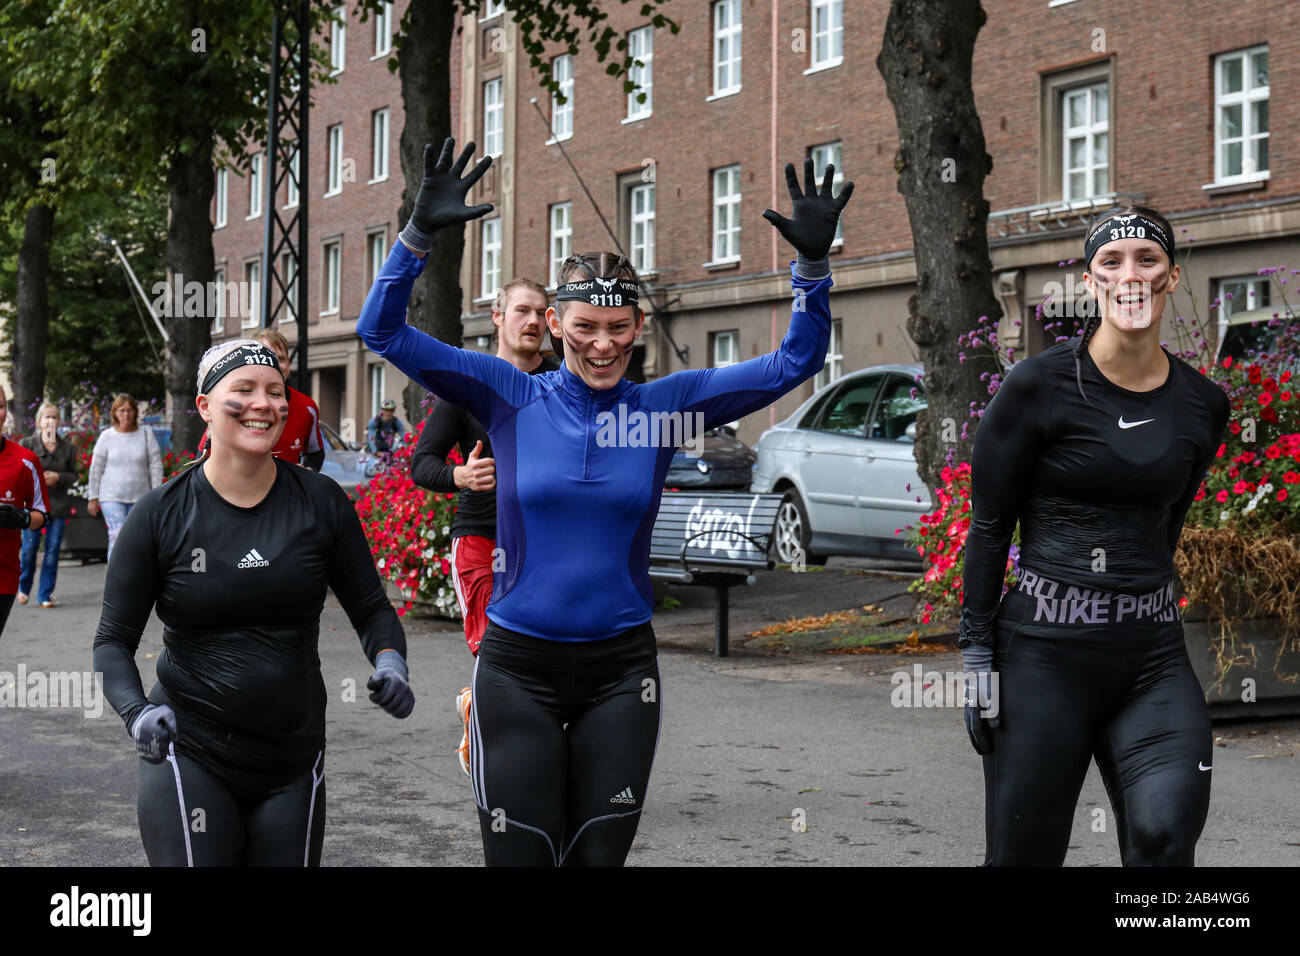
247 410
1131 280
522 324
597 340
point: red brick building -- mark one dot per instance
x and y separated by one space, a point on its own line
1082 102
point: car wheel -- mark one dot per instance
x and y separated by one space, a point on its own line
792 532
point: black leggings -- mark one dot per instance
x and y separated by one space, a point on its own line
190 816
563 738
1125 695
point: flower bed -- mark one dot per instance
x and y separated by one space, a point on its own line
409 530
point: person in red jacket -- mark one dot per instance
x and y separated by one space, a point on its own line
302 442
24 503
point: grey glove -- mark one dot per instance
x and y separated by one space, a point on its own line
154 732
390 686
982 704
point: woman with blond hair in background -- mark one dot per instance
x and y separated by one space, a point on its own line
58 460
125 464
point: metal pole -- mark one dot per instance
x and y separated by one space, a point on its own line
268 189
300 275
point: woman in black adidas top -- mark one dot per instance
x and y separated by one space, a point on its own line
236 554
1097 447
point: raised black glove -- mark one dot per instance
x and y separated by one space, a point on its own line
441 199
14 517
390 686
154 732
812 228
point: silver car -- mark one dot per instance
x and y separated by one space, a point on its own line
844 461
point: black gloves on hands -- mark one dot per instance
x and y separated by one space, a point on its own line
389 685
811 230
154 732
14 517
441 199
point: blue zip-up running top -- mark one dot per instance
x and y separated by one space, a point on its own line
574 511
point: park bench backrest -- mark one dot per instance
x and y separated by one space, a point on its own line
723 529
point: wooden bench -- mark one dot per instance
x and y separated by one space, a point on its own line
713 539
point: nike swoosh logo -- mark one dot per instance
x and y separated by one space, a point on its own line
1124 424
1201 766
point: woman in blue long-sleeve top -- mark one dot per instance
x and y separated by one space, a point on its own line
566 695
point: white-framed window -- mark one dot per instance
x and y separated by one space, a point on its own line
338 39
219 307
827 34
379 145
726 349
489 274
494 111
1241 294
829 153
726 47
334 163
1241 116
384 29
562 113
561 238
491 9
641 46
253 283
333 255
376 252
291 181
377 385
255 186
834 366
289 270
1085 148
221 192
641 231
726 214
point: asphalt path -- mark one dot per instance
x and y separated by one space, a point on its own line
768 757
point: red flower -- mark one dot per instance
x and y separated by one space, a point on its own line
1281 494
1254 375
1227 361
1264 398
1284 377
1284 396
1239 488
1222 448
1269 414
1221 497
1272 451
1234 428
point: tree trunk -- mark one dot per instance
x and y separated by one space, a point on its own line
926 63
32 328
189 259
424 64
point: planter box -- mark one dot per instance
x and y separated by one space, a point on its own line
1273 695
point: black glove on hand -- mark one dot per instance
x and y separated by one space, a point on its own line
812 228
981 696
390 686
441 199
14 517
154 732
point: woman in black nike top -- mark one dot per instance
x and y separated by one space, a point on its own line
1097 447
236 554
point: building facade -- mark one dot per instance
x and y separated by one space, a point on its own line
1083 103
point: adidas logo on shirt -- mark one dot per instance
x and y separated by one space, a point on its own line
253 560
624 797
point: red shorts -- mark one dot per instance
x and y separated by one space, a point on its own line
471 574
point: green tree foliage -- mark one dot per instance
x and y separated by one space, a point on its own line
96 333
